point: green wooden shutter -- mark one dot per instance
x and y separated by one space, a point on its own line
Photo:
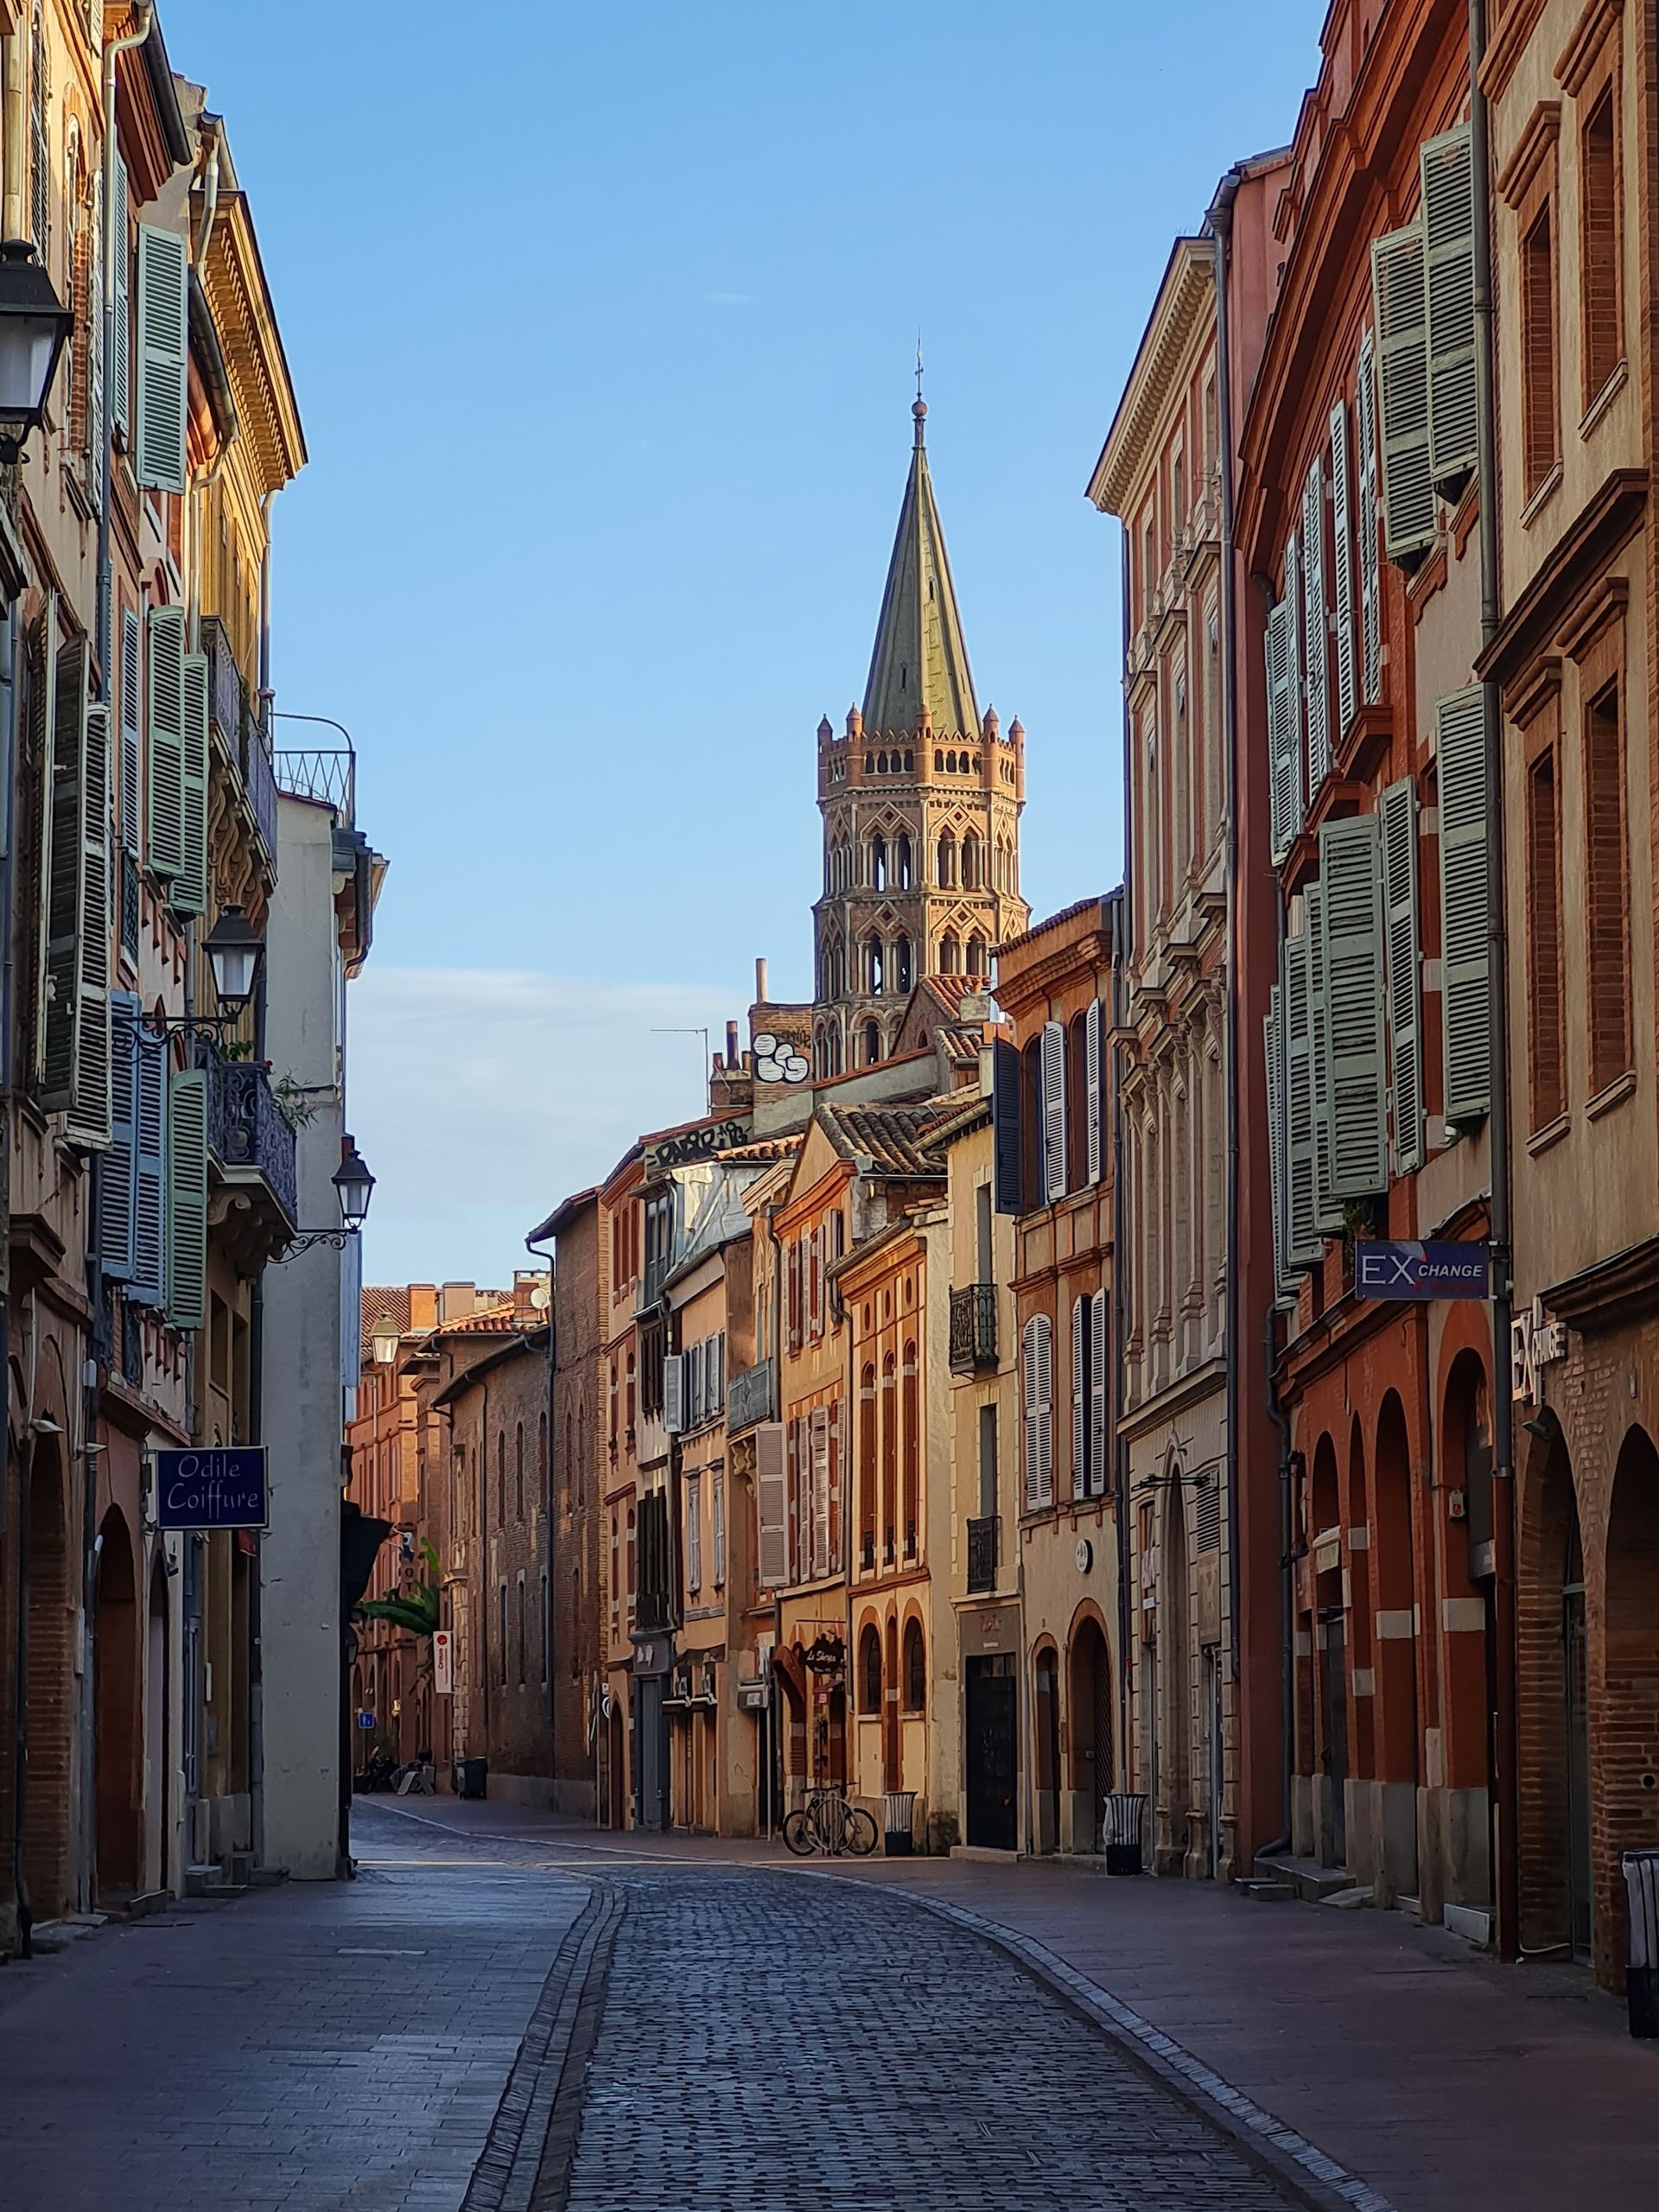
117 1183
132 725
1370 608
1053 1073
1295 742
1399 808
1303 1243
148 1284
1273 1059
189 894
1401 308
1327 1207
64 865
1282 756
120 363
1350 875
1342 546
1316 630
186 1200
1449 276
89 1103
164 808
42 729
163 355
1465 832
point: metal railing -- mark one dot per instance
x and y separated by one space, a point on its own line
749 1397
982 1554
244 738
325 773
972 1328
259 778
247 1128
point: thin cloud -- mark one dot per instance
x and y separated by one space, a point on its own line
727 299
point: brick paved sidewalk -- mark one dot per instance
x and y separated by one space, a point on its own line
1448 2082
301 2049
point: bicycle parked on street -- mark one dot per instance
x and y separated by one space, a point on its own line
828 1823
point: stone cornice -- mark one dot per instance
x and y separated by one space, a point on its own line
1186 293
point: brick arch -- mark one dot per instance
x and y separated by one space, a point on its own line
1624 1658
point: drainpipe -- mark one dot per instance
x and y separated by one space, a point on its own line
256 1608
20 1673
1503 1688
145 16
542 1252
1123 1268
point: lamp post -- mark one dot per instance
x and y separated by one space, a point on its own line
235 954
354 1186
35 326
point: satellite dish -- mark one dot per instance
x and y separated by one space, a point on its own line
539 1298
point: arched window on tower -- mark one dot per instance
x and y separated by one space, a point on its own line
875 962
939 761
878 863
872 1044
901 863
903 979
910 762
947 860
950 954
970 869
977 964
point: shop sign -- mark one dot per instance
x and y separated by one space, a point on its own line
1534 1342
444 1661
1422 1272
755 1697
216 1487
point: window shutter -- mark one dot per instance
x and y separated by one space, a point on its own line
1079 1397
674 1392
1400 298
1094 1032
148 1284
1008 1150
820 1461
1045 1410
1327 1207
164 808
117 1183
1273 1054
186 1200
1465 994
771 1504
1341 545
1302 1241
1399 807
1099 1483
65 869
792 1293
89 1103
131 729
189 894
120 362
1351 874
1054 1057
1281 752
1316 630
96 422
1296 764
162 358
1370 608
1449 281
694 1532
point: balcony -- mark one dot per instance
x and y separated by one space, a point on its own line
972 1328
327 774
259 780
245 741
981 1554
750 1397
251 1145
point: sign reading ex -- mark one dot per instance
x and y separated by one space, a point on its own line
1422 1271
217 1487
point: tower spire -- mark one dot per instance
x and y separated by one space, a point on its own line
920 660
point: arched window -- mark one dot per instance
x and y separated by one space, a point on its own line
872 1044
947 860
501 1477
915 1676
869 1669
874 966
910 762
977 964
902 863
541 1456
902 977
519 1475
868 1475
949 953
939 761
970 874
878 863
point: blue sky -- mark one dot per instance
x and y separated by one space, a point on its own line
601 319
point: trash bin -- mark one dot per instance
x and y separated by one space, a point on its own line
1126 1813
1641 1871
898 1820
469 1776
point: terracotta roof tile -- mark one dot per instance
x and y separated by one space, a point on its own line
893 1139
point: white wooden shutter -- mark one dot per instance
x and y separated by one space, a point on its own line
1327 1207
820 1479
189 894
118 1179
164 796
1094 1032
97 423
120 362
1273 1047
186 1200
1054 1067
1399 808
1465 832
1449 281
64 871
1342 547
1401 306
148 1284
674 1392
1281 752
1099 1481
90 1101
771 1504
1351 874
132 725
1370 608
1316 630
1028 1407
1303 1244
163 354
1079 1397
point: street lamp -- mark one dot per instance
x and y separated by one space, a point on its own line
34 326
355 1187
383 1340
234 953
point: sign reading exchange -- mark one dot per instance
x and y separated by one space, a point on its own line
217 1487
1422 1271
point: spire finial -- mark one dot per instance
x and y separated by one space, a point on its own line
920 410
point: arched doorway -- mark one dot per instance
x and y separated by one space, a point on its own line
1625 1695
115 1706
158 1733
1467 1647
1395 1730
1175 1680
1331 1781
893 1776
49 1703
1046 1689
1091 1747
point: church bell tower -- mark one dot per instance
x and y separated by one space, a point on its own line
921 798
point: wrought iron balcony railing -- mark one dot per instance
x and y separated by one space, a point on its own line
972 1328
240 730
326 773
750 1397
981 1554
247 1131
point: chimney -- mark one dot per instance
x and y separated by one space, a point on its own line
422 1306
456 1301
760 981
731 1044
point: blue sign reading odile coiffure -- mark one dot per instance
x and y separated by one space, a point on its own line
218 1487
1422 1271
